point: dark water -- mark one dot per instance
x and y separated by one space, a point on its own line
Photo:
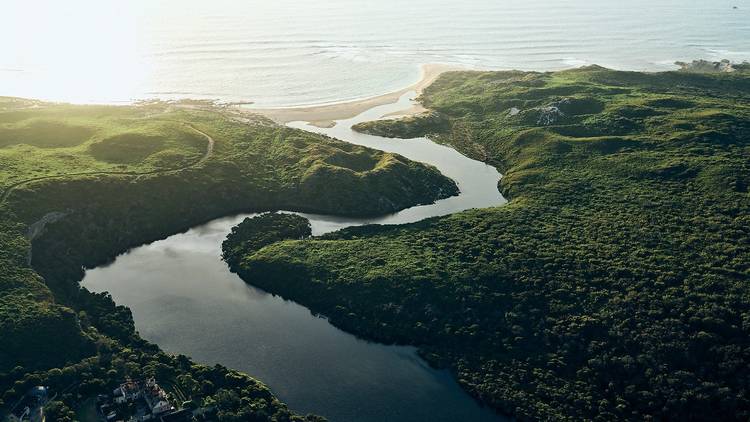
184 299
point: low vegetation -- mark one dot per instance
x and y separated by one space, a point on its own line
82 184
428 123
613 286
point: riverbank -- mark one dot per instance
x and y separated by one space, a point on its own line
613 285
142 192
325 115
315 367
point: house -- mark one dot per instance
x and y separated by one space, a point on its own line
150 402
160 407
127 392
156 398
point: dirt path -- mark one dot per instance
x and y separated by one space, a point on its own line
209 147
209 151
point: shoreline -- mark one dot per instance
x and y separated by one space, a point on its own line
325 115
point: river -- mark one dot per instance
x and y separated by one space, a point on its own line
184 299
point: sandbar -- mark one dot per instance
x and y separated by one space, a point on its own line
325 115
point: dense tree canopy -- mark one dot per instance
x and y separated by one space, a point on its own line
83 184
613 286
253 234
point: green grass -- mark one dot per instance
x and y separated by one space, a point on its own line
43 134
61 139
124 176
613 286
158 138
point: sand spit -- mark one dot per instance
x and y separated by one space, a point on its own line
325 115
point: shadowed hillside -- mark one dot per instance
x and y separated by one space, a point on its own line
613 286
82 184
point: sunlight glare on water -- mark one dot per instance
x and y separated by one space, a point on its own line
293 52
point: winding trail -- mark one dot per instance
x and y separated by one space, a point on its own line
184 298
206 155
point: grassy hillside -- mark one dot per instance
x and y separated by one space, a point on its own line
613 286
82 184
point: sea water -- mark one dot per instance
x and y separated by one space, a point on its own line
301 52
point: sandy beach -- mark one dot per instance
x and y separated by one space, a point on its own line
325 115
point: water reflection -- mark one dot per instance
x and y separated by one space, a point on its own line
184 299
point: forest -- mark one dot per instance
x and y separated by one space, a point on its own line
82 184
614 284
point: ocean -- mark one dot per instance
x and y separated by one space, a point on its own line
300 52
277 53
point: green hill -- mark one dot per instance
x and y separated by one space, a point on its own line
613 286
82 184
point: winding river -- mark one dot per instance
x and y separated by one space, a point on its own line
184 299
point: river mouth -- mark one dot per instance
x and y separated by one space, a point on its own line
185 299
